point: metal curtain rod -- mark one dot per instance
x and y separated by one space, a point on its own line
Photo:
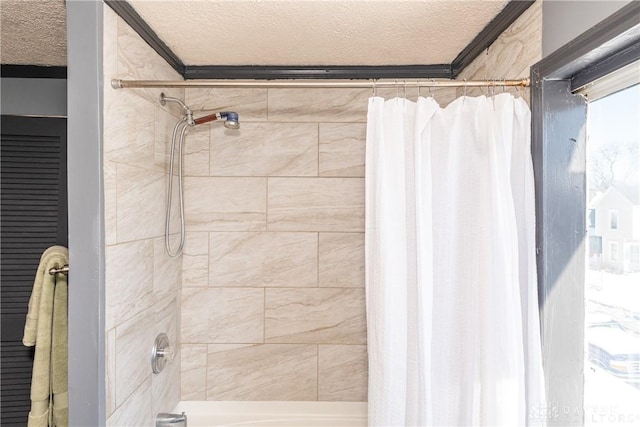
289 84
64 270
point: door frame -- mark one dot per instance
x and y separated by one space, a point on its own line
87 350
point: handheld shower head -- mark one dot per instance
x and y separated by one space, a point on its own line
231 119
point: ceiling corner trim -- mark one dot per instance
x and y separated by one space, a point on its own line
320 72
489 34
33 71
125 11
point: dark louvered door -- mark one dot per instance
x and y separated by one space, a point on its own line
33 188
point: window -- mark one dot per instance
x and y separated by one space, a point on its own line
613 251
592 218
613 220
612 346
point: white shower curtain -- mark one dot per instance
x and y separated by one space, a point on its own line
452 306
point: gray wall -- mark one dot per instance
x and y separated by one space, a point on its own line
86 214
564 20
34 97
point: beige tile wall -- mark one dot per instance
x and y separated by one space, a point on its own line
273 272
143 284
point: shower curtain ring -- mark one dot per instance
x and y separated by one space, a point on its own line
404 88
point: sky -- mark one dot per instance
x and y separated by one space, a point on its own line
615 119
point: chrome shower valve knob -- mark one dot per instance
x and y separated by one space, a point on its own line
161 354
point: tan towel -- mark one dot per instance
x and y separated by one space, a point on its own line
46 328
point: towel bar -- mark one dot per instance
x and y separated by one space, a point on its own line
64 270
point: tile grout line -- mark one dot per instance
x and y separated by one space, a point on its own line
318 260
209 280
266 204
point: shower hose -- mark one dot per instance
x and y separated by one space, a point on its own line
182 126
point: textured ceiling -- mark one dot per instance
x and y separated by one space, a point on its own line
317 32
270 32
33 32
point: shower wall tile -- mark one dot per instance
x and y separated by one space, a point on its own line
110 203
163 131
321 315
135 411
166 312
314 105
129 130
265 149
167 271
263 259
141 204
250 104
316 204
222 315
225 204
254 224
195 260
110 371
341 260
342 373
134 339
133 342
193 372
196 151
138 60
143 284
129 278
262 372
341 147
